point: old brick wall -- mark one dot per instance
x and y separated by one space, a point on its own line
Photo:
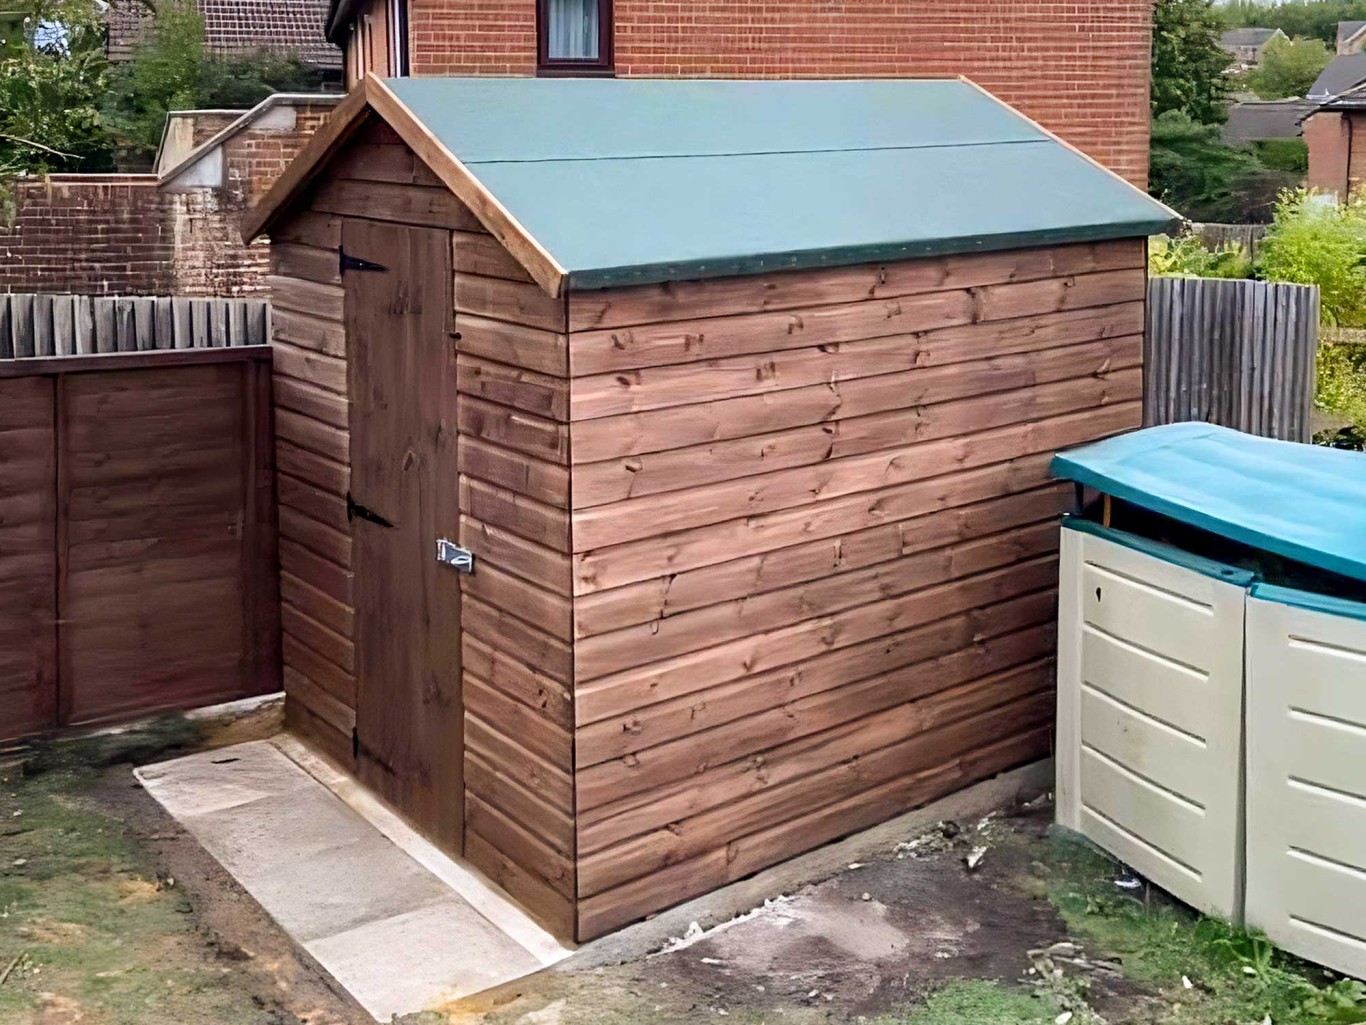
89 234
1079 68
127 235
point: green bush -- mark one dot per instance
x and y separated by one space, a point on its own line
1283 155
1188 257
1342 380
1314 240
1288 68
170 71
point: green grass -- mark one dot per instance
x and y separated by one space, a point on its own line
97 934
974 1002
1235 976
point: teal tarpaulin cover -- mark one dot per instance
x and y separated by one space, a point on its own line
1303 502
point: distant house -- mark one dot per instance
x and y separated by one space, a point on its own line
240 26
1264 120
1344 73
1336 135
1351 36
1246 45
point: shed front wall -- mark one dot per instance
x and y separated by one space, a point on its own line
815 547
513 489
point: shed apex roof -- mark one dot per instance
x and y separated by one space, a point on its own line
1348 30
594 183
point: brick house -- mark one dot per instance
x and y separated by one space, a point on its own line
1336 135
1246 45
1081 70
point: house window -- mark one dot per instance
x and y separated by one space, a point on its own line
575 36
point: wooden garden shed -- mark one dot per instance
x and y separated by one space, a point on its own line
742 397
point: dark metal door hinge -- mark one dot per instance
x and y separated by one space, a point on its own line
349 262
356 511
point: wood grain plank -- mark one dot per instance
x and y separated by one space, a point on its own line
710 388
698 670
603 611
625 349
681 469
680 300
812 774
898 662
635 519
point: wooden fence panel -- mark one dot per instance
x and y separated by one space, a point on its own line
1236 353
73 325
137 535
28 560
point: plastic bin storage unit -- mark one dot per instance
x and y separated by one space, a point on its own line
1150 703
1163 647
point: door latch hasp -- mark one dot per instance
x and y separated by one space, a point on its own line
451 554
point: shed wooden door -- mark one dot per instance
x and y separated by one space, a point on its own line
409 735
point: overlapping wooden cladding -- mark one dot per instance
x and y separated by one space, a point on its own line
761 561
814 537
518 622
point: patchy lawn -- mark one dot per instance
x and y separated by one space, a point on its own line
97 925
112 915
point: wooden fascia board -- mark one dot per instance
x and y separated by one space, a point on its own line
345 119
495 217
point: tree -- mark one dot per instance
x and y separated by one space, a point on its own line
1288 68
1195 173
1317 19
52 75
1188 62
170 71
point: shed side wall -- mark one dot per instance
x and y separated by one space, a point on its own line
815 547
516 608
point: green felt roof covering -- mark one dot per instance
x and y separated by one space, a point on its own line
629 181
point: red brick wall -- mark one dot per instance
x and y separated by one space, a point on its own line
122 235
1080 68
89 234
1337 151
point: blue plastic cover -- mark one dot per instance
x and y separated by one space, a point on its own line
647 180
1303 502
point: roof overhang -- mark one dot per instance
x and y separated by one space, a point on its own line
340 15
496 177
372 95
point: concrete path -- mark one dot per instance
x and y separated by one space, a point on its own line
401 927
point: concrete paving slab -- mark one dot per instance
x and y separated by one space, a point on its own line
387 924
427 957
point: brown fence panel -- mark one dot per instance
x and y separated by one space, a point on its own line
1236 353
28 559
158 537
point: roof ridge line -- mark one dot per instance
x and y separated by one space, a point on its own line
1042 140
